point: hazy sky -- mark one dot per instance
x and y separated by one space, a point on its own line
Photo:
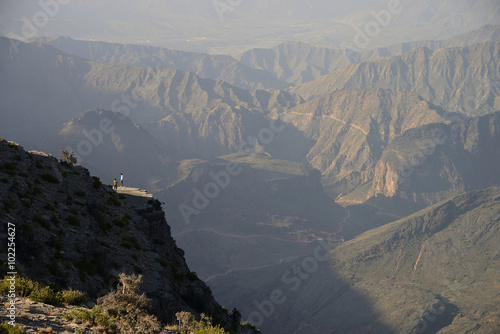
116 9
229 26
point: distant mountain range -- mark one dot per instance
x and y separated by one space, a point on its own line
297 62
224 68
262 157
461 79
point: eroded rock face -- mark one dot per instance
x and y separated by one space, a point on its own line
75 232
437 161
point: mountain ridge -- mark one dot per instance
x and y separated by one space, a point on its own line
421 70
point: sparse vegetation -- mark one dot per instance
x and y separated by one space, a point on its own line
192 276
129 242
131 310
162 262
113 200
96 182
80 193
40 220
122 222
187 324
96 317
49 178
73 220
178 276
43 294
68 157
5 328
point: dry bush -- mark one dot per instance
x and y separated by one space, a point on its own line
131 310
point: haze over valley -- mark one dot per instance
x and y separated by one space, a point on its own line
323 167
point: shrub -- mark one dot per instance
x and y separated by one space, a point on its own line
49 178
73 220
96 316
104 225
178 276
73 297
45 295
24 287
96 182
80 193
131 310
161 261
129 242
5 328
192 276
189 325
113 200
39 219
122 222
68 157
10 166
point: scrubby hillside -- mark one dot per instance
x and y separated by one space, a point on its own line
436 271
74 232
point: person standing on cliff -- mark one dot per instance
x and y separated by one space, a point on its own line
121 179
115 183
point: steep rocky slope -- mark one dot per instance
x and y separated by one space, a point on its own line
433 272
457 79
74 232
436 161
351 128
296 62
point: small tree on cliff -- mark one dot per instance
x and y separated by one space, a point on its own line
68 157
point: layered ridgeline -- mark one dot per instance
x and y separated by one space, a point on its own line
297 62
350 129
219 67
74 232
45 87
434 271
461 79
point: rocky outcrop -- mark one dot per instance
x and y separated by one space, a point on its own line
351 128
72 231
436 161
